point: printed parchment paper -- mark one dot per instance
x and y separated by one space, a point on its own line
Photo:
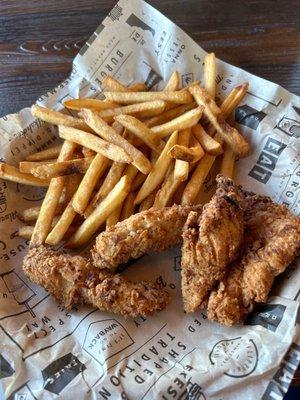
47 352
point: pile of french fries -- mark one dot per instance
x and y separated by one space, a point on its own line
132 151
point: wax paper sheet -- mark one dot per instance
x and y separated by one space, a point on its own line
47 352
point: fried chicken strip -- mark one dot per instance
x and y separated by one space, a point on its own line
73 280
210 242
152 230
272 241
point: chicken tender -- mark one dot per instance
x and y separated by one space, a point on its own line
210 242
73 280
271 242
152 230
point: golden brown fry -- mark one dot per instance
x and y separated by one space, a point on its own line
196 181
57 118
233 99
93 142
53 170
108 133
173 82
113 85
51 200
141 131
138 87
71 185
210 74
88 183
26 166
181 170
228 161
48 154
99 215
178 97
234 139
148 201
210 145
91 104
87 152
158 171
118 128
170 114
184 121
128 206
10 173
188 154
138 181
166 192
114 217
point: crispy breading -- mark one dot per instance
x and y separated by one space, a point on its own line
73 280
210 242
271 242
148 231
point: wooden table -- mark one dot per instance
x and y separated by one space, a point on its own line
38 40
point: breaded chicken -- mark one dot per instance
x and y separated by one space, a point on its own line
210 242
271 242
148 231
73 280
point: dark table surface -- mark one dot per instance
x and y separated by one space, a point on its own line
39 39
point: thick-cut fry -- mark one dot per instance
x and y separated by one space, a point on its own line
10 173
130 173
26 166
231 136
181 170
113 85
57 118
118 128
158 171
210 74
233 99
170 114
146 109
148 201
167 190
99 215
91 104
184 121
51 200
86 187
128 206
138 87
173 82
178 97
114 217
109 134
53 170
210 145
188 154
48 154
141 131
93 142
228 161
196 181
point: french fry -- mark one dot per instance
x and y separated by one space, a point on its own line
158 171
91 104
138 87
130 173
166 192
178 97
173 82
118 128
10 173
181 169
141 131
100 214
93 142
72 183
113 85
114 217
147 109
228 161
26 166
26 232
128 206
57 118
196 181
48 154
233 99
231 136
184 121
51 200
188 154
53 170
138 181
109 134
87 152
148 201
30 214
170 114
86 187
210 74
209 145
